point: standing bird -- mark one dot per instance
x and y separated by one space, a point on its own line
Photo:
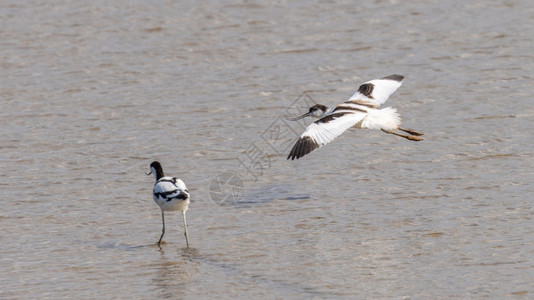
360 111
171 194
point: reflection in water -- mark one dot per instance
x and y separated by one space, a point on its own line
173 274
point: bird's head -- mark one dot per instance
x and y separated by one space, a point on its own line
156 169
316 111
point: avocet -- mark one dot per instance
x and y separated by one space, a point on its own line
360 111
170 194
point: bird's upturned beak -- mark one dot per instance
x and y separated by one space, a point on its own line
299 117
149 173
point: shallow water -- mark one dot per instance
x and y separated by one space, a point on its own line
93 92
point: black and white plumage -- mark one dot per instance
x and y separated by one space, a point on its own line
360 111
170 194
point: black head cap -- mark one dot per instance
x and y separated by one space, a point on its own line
317 107
155 167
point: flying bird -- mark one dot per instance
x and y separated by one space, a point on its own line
360 111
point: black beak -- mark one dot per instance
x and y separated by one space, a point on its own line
149 173
300 117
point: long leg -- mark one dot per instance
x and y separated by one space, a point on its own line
410 131
163 230
186 234
409 137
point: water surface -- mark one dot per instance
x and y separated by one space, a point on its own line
91 93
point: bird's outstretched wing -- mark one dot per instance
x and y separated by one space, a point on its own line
324 130
377 91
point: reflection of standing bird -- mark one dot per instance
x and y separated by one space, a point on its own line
360 111
170 193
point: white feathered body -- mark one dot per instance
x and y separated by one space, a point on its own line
386 118
171 194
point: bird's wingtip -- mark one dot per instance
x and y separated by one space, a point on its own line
302 147
395 77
